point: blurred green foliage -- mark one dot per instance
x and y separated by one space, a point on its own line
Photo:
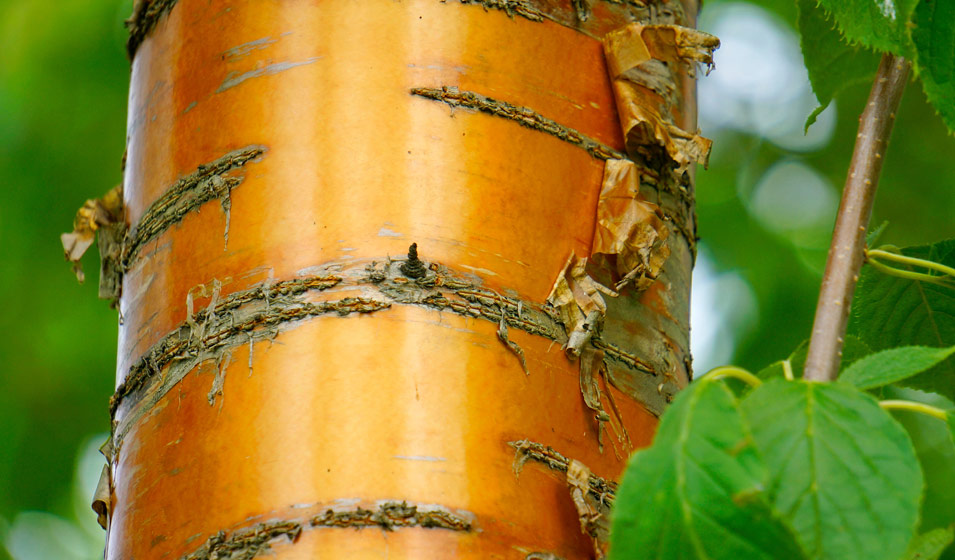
916 196
63 85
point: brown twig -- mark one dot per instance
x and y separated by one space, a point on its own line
848 238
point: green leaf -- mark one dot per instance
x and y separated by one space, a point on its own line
877 24
933 446
950 420
942 98
811 119
889 311
842 472
833 65
934 39
697 492
895 364
931 545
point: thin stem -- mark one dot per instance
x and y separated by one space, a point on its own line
902 259
848 238
724 372
921 408
909 275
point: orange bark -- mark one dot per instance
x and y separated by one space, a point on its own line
410 402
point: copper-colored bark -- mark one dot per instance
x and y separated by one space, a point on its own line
403 404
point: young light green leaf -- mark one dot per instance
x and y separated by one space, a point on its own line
895 364
833 64
772 371
842 472
933 35
889 311
931 545
874 233
853 348
877 24
697 492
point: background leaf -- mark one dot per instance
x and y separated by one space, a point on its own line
697 492
889 311
833 64
933 446
934 38
877 24
931 545
890 366
842 472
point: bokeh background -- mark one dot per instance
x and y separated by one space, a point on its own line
766 208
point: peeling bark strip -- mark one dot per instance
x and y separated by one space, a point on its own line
392 515
103 219
95 214
581 308
603 490
146 14
119 247
629 227
591 495
511 345
245 544
522 115
594 516
592 369
187 195
634 54
101 503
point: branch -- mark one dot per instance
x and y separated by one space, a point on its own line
848 238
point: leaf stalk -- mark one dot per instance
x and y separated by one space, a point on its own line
881 253
725 372
912 406
909 275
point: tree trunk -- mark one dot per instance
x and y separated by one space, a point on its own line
288 374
